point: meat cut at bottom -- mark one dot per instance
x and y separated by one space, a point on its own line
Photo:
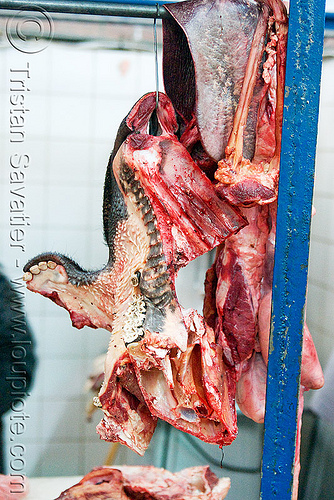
148 483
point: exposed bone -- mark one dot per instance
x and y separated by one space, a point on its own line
35 270
43 266
51 264
27 276
97 402
235 143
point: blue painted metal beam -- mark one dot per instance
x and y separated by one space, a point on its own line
301 104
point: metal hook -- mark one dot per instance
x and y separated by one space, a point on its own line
156 59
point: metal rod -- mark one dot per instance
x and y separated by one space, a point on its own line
300 118
138 8
156 62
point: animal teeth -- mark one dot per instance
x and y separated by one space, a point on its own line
35 270
43 266
27 276
51 264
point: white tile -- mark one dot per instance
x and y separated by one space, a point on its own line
327 320
70 117
3 115
108 115
95 343
30 419
72 70
324 179
116 73
324 344
63 378
34 462
37 119
35 199
95 206
190 283
319 260
322 222
315 303
50 309
3 62
89 429
15 67
146 74
96 453
327 94
36 324
4 203
101 151
37 150
70 161
35 243
38 387
61 459
63 421
40 67
33 305
31 456
67 207
62 340
326 120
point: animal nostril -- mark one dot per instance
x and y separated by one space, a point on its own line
135 278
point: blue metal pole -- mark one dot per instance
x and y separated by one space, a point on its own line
300 119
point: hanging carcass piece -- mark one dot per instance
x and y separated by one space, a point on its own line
213 73
160 211
149 483
218 39
236 55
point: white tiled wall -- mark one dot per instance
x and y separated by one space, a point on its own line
321 271
78 97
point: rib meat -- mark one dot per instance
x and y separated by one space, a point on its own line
149 483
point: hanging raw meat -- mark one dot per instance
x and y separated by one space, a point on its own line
231 101
149 483
11 489
160 211
207 177
233 116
